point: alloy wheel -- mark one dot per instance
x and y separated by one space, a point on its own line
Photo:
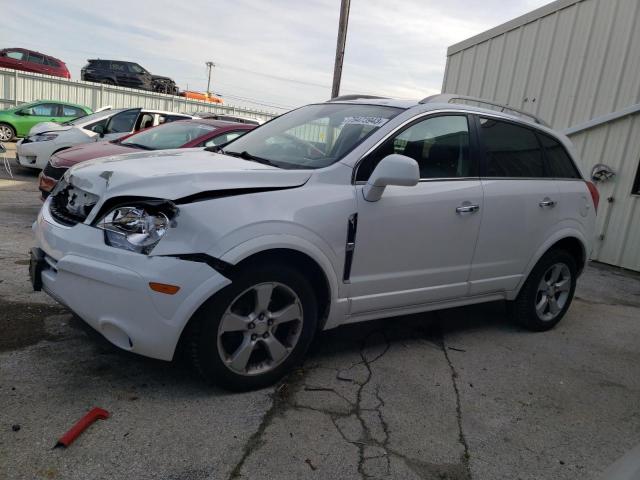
553 292
260 328
6 133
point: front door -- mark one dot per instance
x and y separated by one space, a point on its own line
42 112
120 124
415 245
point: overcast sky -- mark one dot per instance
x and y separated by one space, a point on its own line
269 54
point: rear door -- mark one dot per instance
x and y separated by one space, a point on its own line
520 205
38 63
69 112
120 71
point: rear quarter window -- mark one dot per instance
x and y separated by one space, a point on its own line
559 162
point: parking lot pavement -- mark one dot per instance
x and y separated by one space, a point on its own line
458 394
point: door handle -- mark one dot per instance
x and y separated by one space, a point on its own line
547 203
464 209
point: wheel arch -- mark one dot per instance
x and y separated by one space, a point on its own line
321 272
570 240
305 264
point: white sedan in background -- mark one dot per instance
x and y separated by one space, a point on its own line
48 138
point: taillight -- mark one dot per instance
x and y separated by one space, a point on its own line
595 196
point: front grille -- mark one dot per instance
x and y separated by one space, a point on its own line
54 172
67 197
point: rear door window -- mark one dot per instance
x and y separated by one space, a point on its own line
35 58
511 151
118 67
69 111
559 162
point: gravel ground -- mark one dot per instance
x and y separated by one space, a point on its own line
457 394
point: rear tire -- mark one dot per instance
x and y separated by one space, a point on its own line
7 132
108 81
547 293
254 331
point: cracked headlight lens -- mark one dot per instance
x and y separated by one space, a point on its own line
134 228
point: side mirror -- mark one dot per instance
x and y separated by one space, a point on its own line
99 129
393 169
23 112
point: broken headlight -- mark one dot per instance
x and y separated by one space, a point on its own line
137 228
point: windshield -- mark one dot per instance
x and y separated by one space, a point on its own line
314 136
169 135
93 117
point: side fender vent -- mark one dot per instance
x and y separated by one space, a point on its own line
352 226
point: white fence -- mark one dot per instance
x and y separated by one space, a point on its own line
19 87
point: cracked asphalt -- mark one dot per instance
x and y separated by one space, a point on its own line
458 394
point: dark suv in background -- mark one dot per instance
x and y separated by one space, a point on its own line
126 74
31 61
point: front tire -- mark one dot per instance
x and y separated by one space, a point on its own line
254 331
7 132
547 293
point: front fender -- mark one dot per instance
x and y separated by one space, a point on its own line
265 243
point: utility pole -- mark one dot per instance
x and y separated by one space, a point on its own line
342 40
210 65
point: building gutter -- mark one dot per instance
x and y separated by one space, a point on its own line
597 121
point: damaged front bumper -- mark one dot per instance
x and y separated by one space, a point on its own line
109 287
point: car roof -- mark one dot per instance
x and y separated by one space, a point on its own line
83 107
109 60
369 100
444 101
164 112
34 51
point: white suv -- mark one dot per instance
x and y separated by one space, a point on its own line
333 213
47 138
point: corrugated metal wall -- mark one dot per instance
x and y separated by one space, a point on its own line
27 87
568 63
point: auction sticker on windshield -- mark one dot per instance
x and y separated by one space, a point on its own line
370 121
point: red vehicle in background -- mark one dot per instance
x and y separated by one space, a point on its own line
30 61
181 134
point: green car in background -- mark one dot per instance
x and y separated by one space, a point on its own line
17 121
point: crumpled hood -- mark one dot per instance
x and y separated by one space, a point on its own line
48 127
178 173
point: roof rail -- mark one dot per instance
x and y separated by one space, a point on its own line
451 97
353 97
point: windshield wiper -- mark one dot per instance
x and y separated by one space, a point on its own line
247 156
137 145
